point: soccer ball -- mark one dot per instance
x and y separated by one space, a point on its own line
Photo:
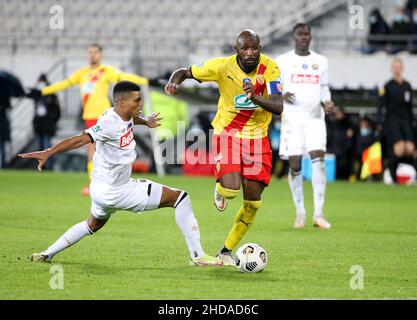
251 257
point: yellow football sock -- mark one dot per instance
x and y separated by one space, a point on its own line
243 220
89 169
227 193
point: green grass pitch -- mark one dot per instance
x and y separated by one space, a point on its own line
145 256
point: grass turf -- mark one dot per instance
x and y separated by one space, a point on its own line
145 256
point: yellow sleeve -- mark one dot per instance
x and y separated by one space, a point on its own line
72 80
207 71
273 73
132 77
117 75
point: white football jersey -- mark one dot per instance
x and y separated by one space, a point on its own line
115 149
307 78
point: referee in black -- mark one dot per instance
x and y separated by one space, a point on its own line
396 100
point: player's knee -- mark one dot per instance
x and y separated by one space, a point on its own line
226 192
295 170
182 199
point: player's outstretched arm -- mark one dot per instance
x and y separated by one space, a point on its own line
177 77
151 121
62 146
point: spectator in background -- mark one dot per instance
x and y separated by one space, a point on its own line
411 12
47 114
395 98
10 86
377 27
365 137
400 27
341 142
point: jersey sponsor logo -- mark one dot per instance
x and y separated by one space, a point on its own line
243 103
126 139
305 78
305 66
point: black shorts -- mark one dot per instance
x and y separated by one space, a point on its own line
397 130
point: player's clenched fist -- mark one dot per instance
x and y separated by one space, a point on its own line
171 88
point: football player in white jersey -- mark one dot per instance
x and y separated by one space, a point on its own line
112 188
304 76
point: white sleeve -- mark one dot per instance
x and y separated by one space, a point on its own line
325 94
104 130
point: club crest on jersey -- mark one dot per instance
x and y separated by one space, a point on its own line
315 66
243 103
260 79
126 139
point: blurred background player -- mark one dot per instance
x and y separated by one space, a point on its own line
305 89
94 81
396 101
240 140
112 188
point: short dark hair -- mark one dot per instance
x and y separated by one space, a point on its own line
123 87
301 25
96 45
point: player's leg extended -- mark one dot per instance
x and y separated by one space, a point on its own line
318 180
244 218
295 181
185 219
70 237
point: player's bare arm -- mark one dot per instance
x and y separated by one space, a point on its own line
176 79
65 145
151 121
272 104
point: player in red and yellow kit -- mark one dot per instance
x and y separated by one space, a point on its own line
94 81
250 91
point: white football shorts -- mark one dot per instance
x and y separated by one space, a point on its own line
137 195
301 137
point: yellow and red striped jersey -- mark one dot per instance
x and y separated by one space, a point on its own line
94 86
235 111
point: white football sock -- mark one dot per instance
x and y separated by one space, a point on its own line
318 180
72 236
188 225
296 185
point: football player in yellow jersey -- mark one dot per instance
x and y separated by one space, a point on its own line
250 92
94 81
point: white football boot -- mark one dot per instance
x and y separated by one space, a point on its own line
227 258
219 201
300 221
321 223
